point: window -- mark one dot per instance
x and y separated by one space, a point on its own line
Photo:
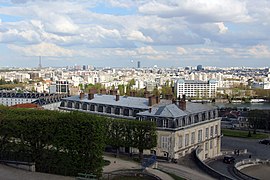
186 139
206 133
206 146
192 137
180 141
164 142
189 120
92 107
211 144
216 130
212 131
165 122
200 136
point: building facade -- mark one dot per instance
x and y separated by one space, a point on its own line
181 126
196 88
47 101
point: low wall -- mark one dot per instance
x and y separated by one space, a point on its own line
20 165
207 168
247 163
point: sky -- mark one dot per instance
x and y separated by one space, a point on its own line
118 33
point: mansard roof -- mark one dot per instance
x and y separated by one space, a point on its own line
173 111
125 101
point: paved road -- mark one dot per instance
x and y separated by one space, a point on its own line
256 150
121 164
183 171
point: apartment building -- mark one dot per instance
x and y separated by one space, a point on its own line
47 101
196 88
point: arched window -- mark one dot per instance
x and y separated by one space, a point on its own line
92 107
84 106
126 112
189 120
77 105
109 110
100 108
70 104
63 104
135 111
117 111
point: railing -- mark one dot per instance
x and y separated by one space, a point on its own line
246 163
207 168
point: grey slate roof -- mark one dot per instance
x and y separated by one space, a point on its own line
164 109
173 111
125 101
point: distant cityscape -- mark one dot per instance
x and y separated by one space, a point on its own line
195 82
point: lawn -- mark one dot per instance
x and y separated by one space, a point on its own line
243 134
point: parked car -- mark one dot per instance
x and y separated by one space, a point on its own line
265 141
228 159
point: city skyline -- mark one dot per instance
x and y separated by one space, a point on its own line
120 33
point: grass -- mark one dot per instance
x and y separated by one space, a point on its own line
243 134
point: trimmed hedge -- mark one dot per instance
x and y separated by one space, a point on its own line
68 143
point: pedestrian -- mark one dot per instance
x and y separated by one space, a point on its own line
249 156
238 152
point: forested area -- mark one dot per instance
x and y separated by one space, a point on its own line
68 143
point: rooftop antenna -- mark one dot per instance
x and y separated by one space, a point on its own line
39 65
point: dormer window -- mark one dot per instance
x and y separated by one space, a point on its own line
165 123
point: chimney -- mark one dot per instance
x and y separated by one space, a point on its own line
91 94
81 95
117 97
150 110
151 100
132 93
157 99
103 91
146 94
168 96
113 92
182 103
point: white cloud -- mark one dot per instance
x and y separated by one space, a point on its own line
43 49
181 50
222 28
146 50
259 51
229 50
138 36
204 50
199 10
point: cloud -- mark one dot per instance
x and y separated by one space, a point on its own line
138 36
146 50
222 28
181 50
259 51
43 49
199 10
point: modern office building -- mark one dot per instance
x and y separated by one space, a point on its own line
195 88
139 64
181 126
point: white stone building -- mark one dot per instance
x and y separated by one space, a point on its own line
195 88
